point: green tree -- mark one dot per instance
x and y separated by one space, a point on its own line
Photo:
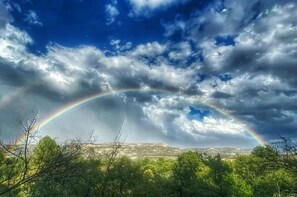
88 183
10 170
185 173
59 169
157 178
218 176
124 177
45 152
1 156
263 171
222 181
275 183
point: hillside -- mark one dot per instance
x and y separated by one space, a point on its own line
156 150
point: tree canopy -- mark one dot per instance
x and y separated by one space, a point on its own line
62 170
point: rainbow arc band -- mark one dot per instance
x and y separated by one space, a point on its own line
87 99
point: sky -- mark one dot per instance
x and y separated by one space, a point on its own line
204 73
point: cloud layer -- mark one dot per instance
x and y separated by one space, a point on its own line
239 56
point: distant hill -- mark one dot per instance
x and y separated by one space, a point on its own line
153 150
157 150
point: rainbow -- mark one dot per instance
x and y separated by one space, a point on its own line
52 116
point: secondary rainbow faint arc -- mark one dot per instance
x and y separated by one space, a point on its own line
84 100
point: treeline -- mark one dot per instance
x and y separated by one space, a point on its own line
62 170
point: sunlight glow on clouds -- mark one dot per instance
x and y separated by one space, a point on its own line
171 109
13 44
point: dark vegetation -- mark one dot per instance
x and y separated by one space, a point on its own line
51 169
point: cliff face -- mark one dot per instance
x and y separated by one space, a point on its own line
155 151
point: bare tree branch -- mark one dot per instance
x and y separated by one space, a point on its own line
111 157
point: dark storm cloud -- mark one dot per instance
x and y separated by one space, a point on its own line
277 130
221 95
264 48
265 45
10 75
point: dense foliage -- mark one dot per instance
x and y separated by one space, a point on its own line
54 170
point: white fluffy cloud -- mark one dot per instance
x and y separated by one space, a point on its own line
145 7
112 12
32 18
181 52
69 70
118 47
264 44
261 61
13 43
151 50
170 115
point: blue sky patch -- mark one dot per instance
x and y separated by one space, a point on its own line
225 77
73 23
225 40
198 113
